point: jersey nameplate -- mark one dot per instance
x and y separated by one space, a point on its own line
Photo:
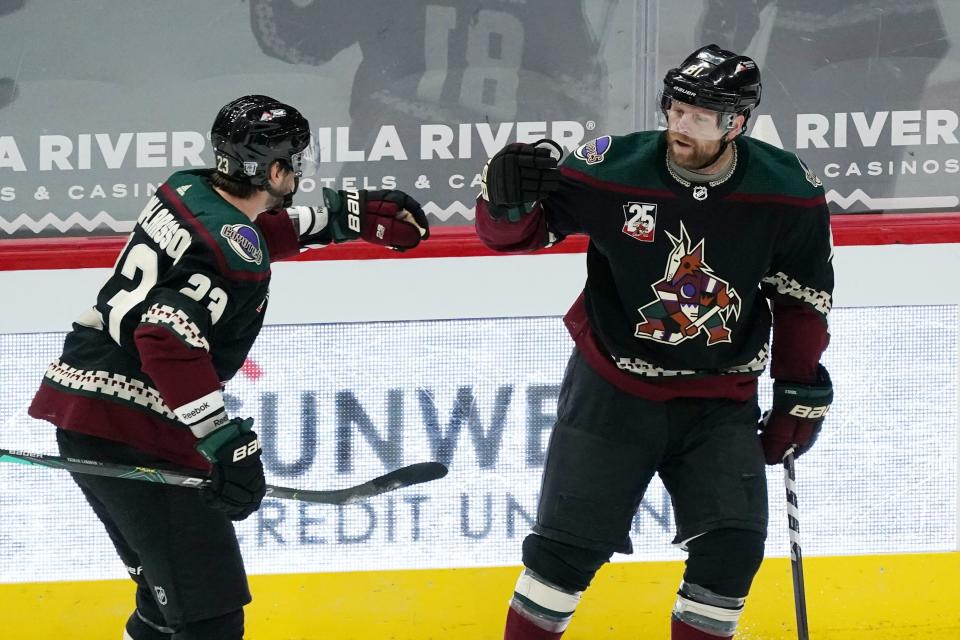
163 228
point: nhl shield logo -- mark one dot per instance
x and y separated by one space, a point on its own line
700 193
161 595
640 220
250 168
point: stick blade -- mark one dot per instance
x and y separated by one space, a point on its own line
397 479
410 475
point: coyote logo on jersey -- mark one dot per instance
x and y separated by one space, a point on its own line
690 299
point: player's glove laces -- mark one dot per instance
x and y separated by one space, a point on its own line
796 417
237 484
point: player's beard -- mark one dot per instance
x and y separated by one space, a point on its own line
692 154
281 198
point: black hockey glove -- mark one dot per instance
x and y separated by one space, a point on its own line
389 218
796 417
237 485
520 174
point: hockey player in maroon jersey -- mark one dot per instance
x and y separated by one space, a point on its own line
701 239
141 374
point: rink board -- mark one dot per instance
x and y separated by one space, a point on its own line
480 396
407 379
849 598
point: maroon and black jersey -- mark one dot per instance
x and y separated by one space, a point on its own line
175 320
681 277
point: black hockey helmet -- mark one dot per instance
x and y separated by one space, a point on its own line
715 79
252 132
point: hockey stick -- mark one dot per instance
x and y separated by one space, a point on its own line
796 555
397 479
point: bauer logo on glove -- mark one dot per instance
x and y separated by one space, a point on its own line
803 411
388 218
796 418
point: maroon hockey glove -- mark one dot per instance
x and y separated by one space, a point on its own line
389 218
520 174
237 485
796 417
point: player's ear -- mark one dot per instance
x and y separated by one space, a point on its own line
738 124
277 171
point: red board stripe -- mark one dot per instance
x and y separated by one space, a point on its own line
450 242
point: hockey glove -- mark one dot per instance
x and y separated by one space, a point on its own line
520 174
237 485
796 417
389 218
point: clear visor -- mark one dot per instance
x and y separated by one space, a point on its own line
307 162
695 122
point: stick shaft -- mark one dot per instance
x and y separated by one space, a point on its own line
397 479
796 552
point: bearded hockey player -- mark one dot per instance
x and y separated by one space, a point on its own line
141 375
701 239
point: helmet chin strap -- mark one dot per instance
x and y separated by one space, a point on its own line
288 199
